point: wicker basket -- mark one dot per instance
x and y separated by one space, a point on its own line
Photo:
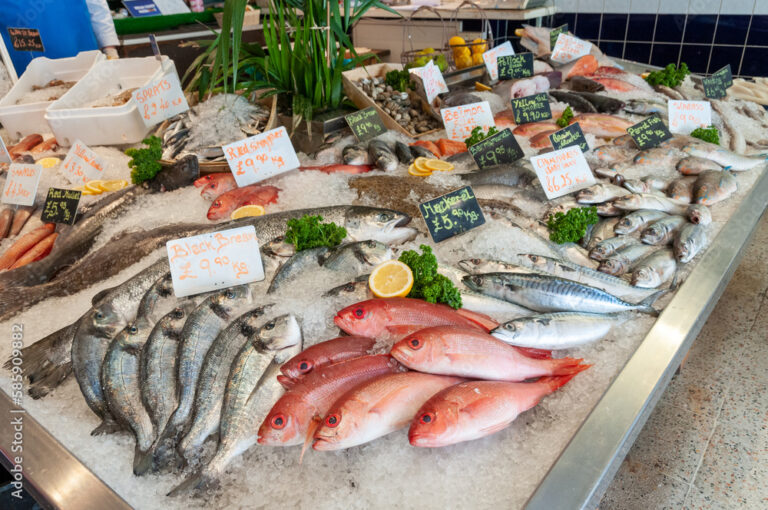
406 57
486 31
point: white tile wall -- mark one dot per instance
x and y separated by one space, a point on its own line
665 6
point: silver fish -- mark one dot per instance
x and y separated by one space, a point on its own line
624 260
601 231
422 152
278 247
355 155
608 247
654 270
544 293
657 156
663 231
645 107
637 220
699 214
723 157
306 260
608 209
560 330
354 291
693 165
382 156
609 155
516 175
639 201
479 266
600 193
354 259
681 190
649 184
689 242
712 187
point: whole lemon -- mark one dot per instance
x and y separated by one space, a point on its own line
456 40
463 61
477 59
461 51
479 46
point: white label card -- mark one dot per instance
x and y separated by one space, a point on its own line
569 48
82 164
433 80
161 100
5 157
261 156
491 57
21 184
685 116
562 172
215 261
459 121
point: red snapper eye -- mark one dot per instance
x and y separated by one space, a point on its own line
216 204
359 312
278 421
426 418
305 366
415 344
332 420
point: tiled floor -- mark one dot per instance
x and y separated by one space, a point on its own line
706 444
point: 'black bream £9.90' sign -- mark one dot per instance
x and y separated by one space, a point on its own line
531 108
571 135
511 67
365 124
452 214
555 33
61 206
26 39
649 132
499 149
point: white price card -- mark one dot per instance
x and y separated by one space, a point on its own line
433 80
82 164
261 156
491 57
214 261
562 172
459 121
685 116
569 48
5 156
21 184
161 100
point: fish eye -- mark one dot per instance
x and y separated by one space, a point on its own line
350 287
426 418
476 261
534 258
278 421
231 294
415 343
133 330
305 366
385 217
178 313
333 420
216 204
99 315
269 325
510 326
359 312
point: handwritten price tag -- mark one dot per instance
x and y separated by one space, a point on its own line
726 75
568 136
491 57
499 149
649 132
26 39
61 206
569 48
433 80
459 121
452 214
365 124
685 116
214 261
515 66
555 33
261 156
82 164
531 108
161 100
562 172
21 184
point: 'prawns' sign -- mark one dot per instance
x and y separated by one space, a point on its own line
261 156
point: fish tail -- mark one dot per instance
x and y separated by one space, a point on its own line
143 461
107 426
558 381
645 304
567 366
480 319
197 482
43 373
533 353
314 423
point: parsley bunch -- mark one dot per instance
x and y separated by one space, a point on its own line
571 227
399 80
669 76
477 135
565 118
307 232
428 284
710 134
145 162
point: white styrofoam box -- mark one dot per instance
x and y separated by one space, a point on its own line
71 118
25 119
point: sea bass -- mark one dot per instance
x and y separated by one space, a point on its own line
600 193
608 247
639 201
560 330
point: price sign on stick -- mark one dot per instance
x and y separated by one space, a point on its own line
555 33
214 261
649 132
515 66
21 184
26 39
459 121
82 164
499 149
61 206
161 100
563 171
685 116
716 86
569 136
433 80
569 48
726 74
261 156
365 124
491 57
452 214
531 108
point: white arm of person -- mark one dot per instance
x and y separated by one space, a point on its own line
103 27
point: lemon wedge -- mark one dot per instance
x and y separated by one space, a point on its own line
391 279
247 211
48 162
114 185
438 165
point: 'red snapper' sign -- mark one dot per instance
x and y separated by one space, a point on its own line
261 156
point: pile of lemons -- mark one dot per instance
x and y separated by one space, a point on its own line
467 54
97 187
423 167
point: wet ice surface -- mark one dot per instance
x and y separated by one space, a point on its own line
500 470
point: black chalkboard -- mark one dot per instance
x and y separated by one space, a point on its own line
452 214
714 87
499 149
511 67
649 132
61 206
365 124
555 33
533 108
726 74
568 136
25 39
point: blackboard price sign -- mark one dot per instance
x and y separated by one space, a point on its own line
533 108
649 132
499 149
365 124
555 33
25 39
714 87
452 214
726 74
61 206
569 136
515 66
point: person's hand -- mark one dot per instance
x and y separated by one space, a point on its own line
110 52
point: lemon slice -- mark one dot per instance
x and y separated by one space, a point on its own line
94 186
48 162
246 211
113 185
414 170
391 279
420 164
440 166
481 87
84 190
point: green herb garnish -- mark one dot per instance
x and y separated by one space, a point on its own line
307 232
670 76
428 284
478 135
145 162
571 227
710 134
565 118
399 80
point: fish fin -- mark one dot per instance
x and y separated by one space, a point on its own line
107 426
286 382
314 424
480 319
566 366
531 352
99 295
196 482
143 461
645 304
43 374
477 406
557 381
403 330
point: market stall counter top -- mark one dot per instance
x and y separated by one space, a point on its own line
447 10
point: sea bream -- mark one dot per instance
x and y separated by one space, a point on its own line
608 247
663 231
655 270
691 239
560 330
625 259
637 220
